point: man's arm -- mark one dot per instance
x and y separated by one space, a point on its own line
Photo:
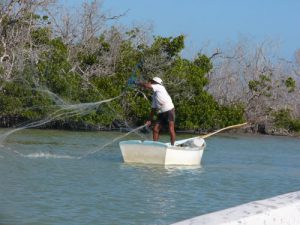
147 85
153 110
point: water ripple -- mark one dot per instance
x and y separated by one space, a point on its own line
46 155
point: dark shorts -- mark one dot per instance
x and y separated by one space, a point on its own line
166 117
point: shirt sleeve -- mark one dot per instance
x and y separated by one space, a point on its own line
154 87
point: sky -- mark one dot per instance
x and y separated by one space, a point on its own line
213 23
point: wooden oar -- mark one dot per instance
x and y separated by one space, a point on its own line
225 128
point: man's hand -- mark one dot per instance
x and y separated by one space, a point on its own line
148 123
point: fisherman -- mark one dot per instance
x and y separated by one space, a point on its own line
162 106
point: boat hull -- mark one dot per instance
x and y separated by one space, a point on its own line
151 152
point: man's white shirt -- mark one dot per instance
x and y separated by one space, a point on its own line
161 100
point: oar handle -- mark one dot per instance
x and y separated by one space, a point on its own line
225 128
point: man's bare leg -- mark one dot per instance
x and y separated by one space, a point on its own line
172 132
156 130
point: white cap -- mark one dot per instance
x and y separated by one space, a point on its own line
157 80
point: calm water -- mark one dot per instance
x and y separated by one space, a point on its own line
44 180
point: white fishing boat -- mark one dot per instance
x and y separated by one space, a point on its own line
186 152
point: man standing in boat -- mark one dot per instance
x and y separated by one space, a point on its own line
163 106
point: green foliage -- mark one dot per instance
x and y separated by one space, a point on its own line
262 86
254 85
290 83
41 36
185 80
195 107
136 108
283 119
17 99
203 62
54 71
229 115
65 70
93 57
171 46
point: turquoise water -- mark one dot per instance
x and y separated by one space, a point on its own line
45 180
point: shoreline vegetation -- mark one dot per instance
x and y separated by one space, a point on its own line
251 129
77 71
